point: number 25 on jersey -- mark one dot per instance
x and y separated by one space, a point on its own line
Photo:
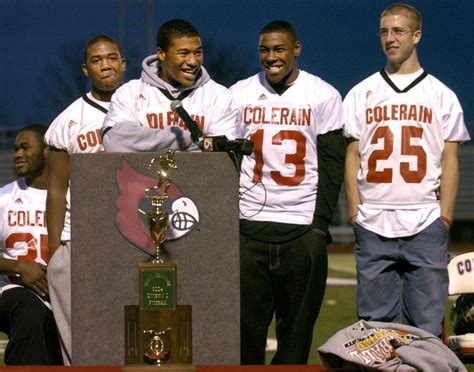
386 175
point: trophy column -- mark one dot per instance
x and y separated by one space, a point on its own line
158 331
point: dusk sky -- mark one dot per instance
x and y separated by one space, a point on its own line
42 40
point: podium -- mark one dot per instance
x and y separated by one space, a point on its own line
104 264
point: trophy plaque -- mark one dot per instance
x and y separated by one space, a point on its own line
158 331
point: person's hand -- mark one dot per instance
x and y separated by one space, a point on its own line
33 275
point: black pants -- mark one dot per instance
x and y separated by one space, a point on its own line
31 330
288 280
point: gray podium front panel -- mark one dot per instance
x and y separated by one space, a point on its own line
104 263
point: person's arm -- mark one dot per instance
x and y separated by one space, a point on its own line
449 180
58 183
30 274
331 150
133 137
352 166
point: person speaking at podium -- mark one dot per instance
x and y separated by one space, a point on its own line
140 117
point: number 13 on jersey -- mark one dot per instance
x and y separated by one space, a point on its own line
295 160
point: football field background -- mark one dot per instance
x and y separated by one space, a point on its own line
339 306
337 312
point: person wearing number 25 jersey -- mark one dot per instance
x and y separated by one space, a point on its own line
401 178
288 190
25 313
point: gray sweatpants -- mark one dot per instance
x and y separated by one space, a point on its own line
59 283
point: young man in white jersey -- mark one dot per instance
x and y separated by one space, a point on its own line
140 117
404 127
289 188
25 313
76 130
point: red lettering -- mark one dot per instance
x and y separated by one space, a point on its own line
284 115
403 112
427 115
306 117
26 218
369 116
248 115
90 139
199 121
152 120
394 113
82 142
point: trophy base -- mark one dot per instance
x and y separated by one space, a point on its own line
171 340
167 368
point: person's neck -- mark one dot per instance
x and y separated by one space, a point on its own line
281 86
104 96
407 67
37 181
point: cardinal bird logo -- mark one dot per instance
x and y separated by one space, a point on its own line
132 207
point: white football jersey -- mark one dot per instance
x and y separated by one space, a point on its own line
401 135
209 105
23 233
278 182
77 130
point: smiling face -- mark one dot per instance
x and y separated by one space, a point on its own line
399 40
105 67
181 61
277 54
30 154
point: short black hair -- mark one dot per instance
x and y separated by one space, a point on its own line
97 39
174 29
279 25
38 129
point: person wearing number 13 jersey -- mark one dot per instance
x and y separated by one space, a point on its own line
404 127
25 313
288 190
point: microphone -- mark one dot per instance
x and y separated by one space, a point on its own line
240 146
196 133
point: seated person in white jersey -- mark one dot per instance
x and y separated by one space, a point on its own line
289 188
140 117
404 127
25 313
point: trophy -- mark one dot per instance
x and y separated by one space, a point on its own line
158 331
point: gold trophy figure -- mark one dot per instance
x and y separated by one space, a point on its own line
157 224
157 217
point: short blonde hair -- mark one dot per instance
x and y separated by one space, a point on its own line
413 15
